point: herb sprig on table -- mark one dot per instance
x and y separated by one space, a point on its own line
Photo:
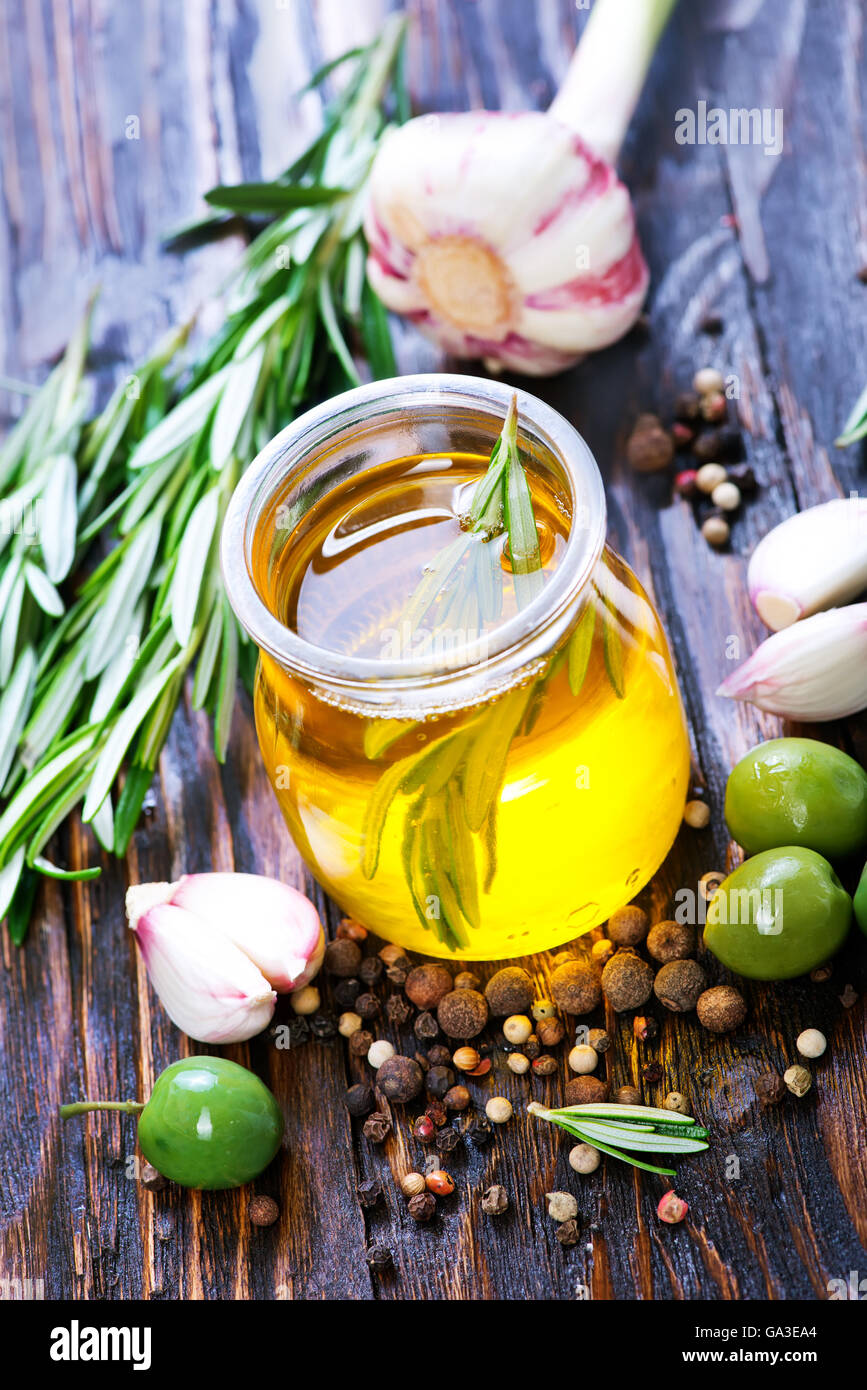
91 671
617 1128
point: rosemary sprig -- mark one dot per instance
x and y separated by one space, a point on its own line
855 427
465 581
640 1128
90 683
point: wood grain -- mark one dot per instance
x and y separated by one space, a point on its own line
777 1208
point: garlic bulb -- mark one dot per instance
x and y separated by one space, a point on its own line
219 947
814 560
814 670
509 236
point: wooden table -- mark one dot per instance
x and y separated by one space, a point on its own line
776 250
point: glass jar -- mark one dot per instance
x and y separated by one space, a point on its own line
502 797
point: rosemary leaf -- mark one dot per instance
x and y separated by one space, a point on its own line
270 197
580 646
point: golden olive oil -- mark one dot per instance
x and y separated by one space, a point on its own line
489 831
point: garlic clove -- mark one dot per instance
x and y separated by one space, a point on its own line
814 560
274 925
207 986
814 670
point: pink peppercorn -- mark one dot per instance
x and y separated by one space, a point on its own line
671 1208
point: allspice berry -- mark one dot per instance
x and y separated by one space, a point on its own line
679 985
585 1090
427 984
463 1013
508 992
627 926
342 957
575 987
400 1078
671 941
627 1095
627 981
721 1009
263 1211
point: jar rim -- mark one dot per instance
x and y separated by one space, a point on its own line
486 663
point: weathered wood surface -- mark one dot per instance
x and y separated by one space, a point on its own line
82 204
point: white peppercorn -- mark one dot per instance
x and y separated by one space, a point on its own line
583 1058
499 1110
517 1029
584 1158
380 1051
305 1001
811 1043
348 1024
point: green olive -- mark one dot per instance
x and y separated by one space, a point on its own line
780 914
860 901
798 791
210 1124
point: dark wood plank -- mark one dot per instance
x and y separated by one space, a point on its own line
84 204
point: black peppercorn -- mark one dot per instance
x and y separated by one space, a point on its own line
439 1056
377 1127
652 1072
422 1207
439 1080
346 992
370 970
152 1179
342 957
379 1258
397 1009
532 1048
359 1100
479 1130
323 1027
398 970
425 1027
294 1033
360 1043
744 478
369 1192
436 1112
447 1139
367 1005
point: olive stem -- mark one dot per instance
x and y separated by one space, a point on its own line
82 1107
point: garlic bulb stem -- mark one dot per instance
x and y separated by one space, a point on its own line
603 83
